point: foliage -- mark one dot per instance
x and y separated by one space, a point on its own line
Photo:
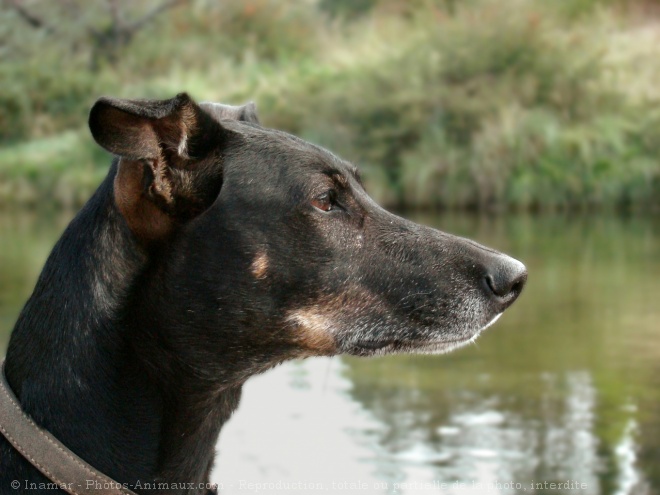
479 104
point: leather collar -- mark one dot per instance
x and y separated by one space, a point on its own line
56 462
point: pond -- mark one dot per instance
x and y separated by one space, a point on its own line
561 396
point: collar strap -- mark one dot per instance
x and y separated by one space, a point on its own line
47 454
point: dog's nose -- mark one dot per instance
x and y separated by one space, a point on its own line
505 280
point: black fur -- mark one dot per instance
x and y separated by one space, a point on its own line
133 348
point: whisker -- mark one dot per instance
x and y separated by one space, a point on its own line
403 299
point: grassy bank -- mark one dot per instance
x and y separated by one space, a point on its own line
520 104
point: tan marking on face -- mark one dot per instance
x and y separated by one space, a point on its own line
314 330
259 266
319 325
341 179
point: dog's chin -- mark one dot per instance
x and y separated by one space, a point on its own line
442 345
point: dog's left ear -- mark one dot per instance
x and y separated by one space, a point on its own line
170 168
246 113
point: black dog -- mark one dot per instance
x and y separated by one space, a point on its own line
214 250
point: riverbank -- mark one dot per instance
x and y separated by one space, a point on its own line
526 105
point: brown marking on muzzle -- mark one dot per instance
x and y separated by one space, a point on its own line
313 331
319 325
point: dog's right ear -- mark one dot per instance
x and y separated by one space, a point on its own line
169 171
142 129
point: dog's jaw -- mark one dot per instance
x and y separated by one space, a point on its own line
432 346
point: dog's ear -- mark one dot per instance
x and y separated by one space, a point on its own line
170 168
246 113
143 129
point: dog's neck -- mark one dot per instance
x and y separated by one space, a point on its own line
75 368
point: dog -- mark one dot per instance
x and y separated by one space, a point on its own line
214 250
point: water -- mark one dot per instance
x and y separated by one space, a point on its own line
564 389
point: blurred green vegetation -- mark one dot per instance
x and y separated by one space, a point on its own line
484 104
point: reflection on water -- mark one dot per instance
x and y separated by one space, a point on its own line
316 430
564 389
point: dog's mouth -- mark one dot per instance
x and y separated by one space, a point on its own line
442 345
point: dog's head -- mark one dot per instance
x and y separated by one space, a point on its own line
268 247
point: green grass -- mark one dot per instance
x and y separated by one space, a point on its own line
521 104
62 170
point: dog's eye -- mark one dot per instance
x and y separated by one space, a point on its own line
325 202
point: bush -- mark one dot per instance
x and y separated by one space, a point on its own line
478 104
